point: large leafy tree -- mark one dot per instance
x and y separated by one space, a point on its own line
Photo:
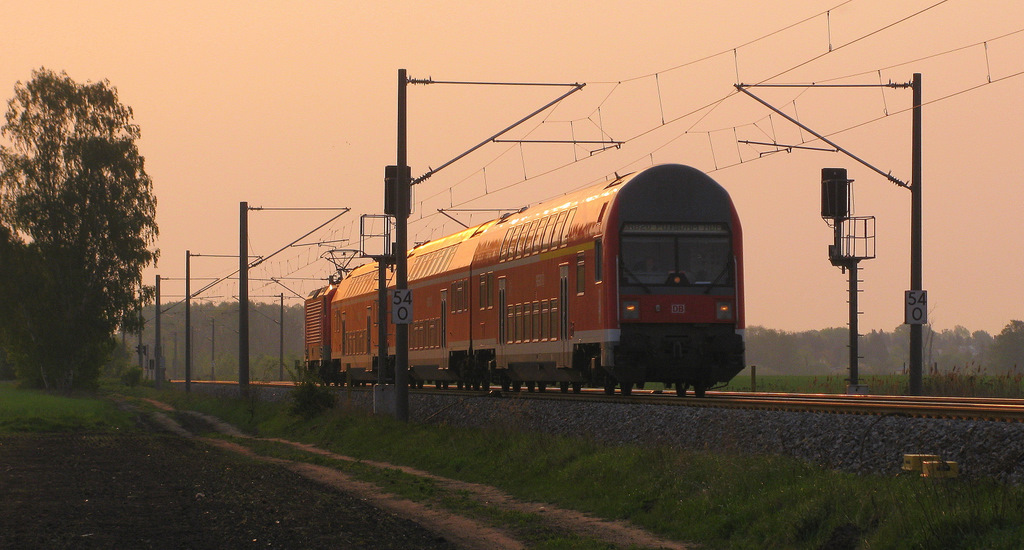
1007 351
79 221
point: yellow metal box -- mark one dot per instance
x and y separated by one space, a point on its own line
912 463
939 468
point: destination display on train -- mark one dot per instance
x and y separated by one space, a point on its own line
702 228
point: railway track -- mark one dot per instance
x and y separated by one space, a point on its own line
967 408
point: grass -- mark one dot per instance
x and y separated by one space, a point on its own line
722 501
37 411
717 500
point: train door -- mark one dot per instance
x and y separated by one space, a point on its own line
564 334
369 336
502 321
443 329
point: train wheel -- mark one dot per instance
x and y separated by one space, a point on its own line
529 386
541 386
681 389
517 386
564 386
699 389
577 387
626 388
609 387
506 385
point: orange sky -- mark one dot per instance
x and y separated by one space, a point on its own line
292 104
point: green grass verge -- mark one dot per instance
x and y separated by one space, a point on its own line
37 411
721 501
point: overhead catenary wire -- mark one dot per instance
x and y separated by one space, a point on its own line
492 184
724 98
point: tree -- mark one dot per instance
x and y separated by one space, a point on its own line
80 216
1007 350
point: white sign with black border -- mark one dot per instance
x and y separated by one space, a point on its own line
401 306
916 312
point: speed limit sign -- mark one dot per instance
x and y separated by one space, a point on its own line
401 306
916 312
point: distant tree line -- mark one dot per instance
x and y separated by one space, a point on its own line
215 340
826 351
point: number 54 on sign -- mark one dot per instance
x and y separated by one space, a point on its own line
916 312
401 306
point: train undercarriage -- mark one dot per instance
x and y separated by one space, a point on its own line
676 357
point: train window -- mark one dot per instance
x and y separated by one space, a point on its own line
531 236
514 242
542 227
505 245
521 246
490 290
430 261
510 323
542 243
515 249
519 323
545 324
527 323
581 272
598 260
482 299
705 260
568 224
550 231
676 260
559 231
418 266
461 296
536 321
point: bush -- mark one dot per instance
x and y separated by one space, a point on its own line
6 367
132 377
310 399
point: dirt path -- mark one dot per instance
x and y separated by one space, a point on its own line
465 532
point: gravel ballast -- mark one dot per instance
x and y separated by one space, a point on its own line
849 442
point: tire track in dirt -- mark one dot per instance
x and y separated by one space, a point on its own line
454 527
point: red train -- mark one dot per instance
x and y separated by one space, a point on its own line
626 282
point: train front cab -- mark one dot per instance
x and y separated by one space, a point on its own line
678 263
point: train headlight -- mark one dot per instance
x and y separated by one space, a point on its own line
724 311
630 310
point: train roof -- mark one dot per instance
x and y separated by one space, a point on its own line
654 194
319 292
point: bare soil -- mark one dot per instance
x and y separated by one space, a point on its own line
162 487
148 490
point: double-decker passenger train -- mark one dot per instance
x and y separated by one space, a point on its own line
626 282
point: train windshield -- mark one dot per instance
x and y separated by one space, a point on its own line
676 260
